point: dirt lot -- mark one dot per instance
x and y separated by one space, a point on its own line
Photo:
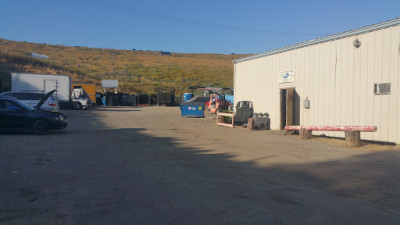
150 166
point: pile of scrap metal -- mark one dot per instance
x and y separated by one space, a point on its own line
194 107
261 121
243 111
244 115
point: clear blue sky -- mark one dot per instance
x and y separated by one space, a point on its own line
207 26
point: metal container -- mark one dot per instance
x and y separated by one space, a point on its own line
166 96
112 100
192 110
187 96
194 107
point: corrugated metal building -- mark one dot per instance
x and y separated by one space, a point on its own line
351 78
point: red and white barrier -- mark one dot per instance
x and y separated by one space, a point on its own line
335 128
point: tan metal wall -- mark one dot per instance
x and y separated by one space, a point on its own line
337 77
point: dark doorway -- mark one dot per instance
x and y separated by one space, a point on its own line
290 107
283 108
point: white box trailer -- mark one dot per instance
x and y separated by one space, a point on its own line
45 83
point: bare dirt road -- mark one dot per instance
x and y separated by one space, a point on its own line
150 166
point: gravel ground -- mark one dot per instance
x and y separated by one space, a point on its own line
148 165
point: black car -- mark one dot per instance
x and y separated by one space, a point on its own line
16 115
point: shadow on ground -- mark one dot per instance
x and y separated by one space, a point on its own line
123 176
128 109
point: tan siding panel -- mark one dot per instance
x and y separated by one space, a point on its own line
394 123
370 39
396 87
356 78
378 79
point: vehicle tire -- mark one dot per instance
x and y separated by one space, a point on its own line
41 126
78 106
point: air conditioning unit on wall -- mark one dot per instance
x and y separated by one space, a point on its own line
382 88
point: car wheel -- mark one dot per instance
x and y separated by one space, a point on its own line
78 106
41 127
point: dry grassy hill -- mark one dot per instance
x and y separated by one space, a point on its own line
138 71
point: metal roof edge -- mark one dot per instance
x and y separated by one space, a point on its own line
345 34
32 73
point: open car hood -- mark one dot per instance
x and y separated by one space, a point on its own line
44 99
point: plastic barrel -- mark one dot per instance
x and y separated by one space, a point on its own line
187 96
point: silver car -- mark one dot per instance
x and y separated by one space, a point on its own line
33 98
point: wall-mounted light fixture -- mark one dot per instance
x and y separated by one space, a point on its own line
306 103
357 43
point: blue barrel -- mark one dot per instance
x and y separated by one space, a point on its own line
187 96
103 100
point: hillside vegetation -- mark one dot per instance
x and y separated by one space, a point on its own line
137 71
